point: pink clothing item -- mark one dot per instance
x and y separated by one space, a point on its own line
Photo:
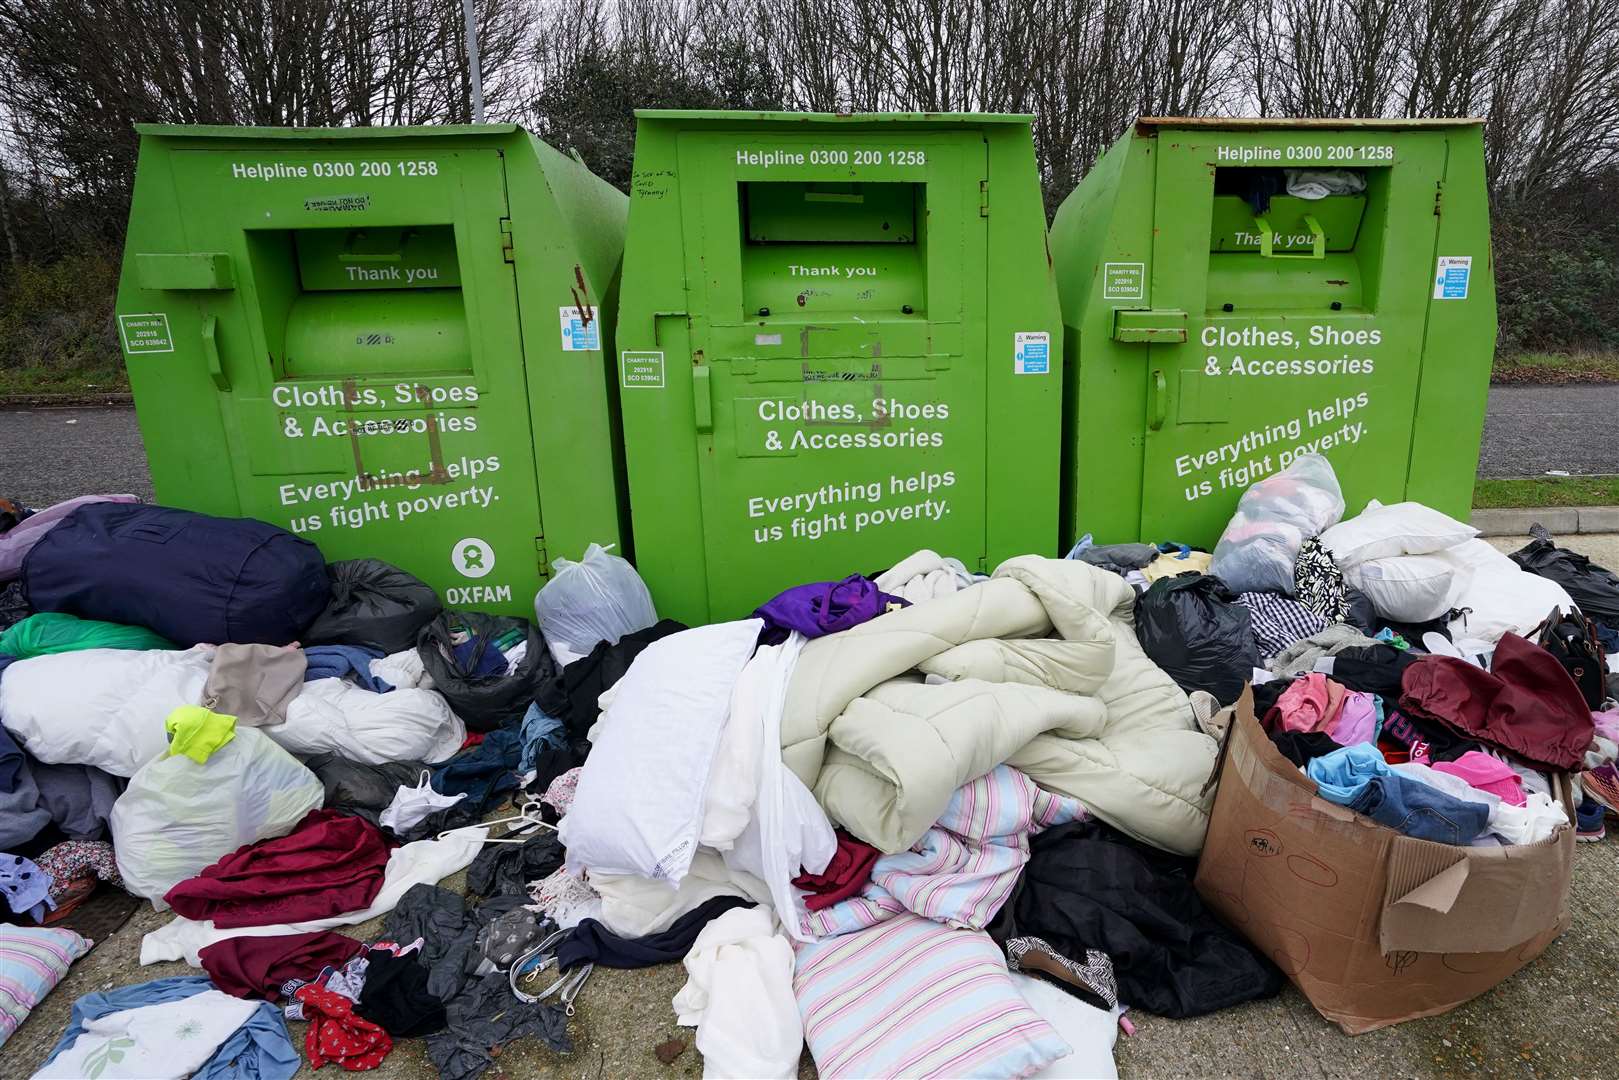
1310 704
1356 721
1606 724
20 540
1487 774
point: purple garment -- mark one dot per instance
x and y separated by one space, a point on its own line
823 607
1356 721
20 540
1606 723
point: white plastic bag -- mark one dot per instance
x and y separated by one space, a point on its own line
600 598
178 817
1274 517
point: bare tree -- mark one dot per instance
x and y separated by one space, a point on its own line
1324 57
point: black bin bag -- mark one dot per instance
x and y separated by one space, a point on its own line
190 577
494 699
1592 587
1193 628
374 604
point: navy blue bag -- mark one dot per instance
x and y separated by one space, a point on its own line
187 576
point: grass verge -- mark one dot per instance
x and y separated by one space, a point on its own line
29 381
1582 366
1546 491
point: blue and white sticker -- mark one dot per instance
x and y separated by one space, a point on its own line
1450 279
1031 352
581 330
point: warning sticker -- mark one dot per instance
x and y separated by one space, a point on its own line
1031 352
147 333
581 330
640 370
1124 281
1450 280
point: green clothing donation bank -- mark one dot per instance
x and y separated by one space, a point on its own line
1236 293
838 345
392 341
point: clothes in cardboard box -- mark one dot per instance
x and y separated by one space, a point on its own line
1331 895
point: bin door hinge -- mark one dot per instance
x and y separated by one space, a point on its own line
506 239
983 198
544 557
1438 197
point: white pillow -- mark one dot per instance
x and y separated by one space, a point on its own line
639 805
1406 588
1092 1032
1501 595
1407 528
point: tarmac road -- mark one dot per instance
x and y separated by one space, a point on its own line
1532 429
47 455
52 454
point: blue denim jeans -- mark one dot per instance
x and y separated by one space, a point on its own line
1419 810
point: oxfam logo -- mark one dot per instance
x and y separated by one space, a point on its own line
472 557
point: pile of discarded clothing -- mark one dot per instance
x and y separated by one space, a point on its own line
883 790
1418 675
204 714
931 822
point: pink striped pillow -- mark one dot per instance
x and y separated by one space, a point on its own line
33 959
911 997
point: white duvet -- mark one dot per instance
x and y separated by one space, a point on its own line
100 707
106 708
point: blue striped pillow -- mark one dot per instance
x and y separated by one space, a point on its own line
33 960
912 997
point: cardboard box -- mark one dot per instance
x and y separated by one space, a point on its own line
1374 927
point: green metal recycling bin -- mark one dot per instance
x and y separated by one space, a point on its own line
1240 292
395 342
836 347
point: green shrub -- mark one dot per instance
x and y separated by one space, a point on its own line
1556 268
57 318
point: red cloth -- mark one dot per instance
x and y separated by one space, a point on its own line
255 967
1526 703
1394 752
844 876
336 1035
331 863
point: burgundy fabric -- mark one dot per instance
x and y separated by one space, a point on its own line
1526 703
255 967
844 876
331 863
